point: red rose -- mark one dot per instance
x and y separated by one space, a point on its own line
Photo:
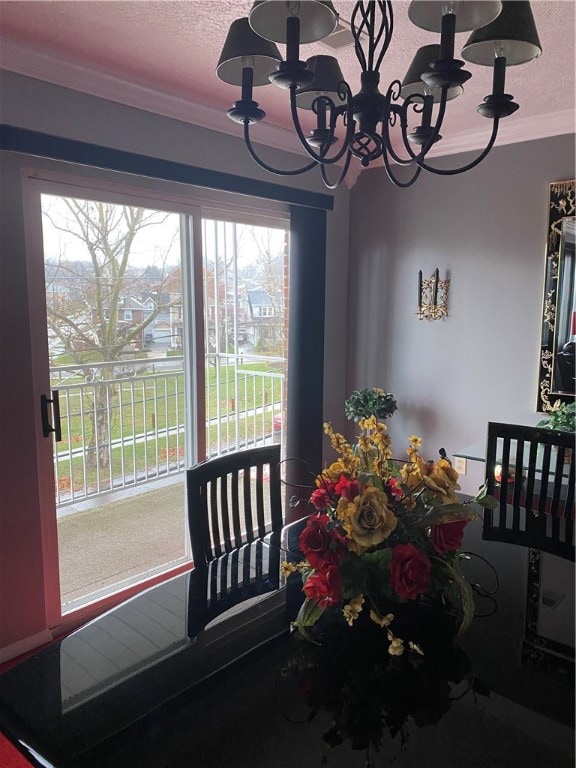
320 499
409 571
448 537
394 488
347 488
325 586
320 545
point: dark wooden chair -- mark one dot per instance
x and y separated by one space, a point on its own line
531 473
233 500
235 521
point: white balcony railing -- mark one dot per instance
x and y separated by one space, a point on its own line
123 423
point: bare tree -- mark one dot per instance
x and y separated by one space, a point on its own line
86 295
268 255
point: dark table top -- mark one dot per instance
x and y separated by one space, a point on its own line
175 678
75 694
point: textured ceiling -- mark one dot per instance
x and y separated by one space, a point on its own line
162 56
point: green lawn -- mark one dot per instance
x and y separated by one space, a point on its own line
144 405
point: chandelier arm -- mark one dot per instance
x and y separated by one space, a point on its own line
371 24
356 32
388 144
469 166
265 166
392 177
336 184
320 157
387 26
418 157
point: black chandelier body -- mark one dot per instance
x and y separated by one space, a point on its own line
503 34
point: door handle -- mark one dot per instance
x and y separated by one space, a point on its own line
46 426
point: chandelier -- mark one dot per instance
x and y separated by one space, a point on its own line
362 125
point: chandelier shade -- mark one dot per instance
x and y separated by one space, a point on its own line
413 83
399 124
428 14
328 79
318 19
512 35
245 49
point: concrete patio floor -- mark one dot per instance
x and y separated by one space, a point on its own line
121 536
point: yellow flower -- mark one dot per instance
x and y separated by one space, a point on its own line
367 423
411 474
368 520
396 647
382 440
344 510
287 568
443 480
364 443
352 609
338 441
415 647
415 442
382 621
331 473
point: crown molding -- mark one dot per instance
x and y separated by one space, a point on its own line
25 60
517 130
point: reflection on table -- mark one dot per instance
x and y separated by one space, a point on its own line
477 452
63 702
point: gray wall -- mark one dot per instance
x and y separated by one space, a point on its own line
487 230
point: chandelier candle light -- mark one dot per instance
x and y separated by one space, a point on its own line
503 34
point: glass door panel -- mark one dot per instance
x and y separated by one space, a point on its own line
116 338
245 277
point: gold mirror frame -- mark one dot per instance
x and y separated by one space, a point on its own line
561 206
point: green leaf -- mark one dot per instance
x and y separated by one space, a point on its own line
355 575
306 573
484 499
466 597
309 613
381 557
438 515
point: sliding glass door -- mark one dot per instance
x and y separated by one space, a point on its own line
165 339
115 300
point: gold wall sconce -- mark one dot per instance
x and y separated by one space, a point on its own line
432 297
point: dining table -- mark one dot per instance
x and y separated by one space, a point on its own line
172 679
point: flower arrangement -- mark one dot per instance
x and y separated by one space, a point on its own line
385 599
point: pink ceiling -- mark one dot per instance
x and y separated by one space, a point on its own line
156 55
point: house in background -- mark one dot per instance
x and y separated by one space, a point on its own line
357 280
263 324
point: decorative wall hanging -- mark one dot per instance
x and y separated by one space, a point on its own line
432 297
556 376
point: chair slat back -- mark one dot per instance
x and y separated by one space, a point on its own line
233 500
534 484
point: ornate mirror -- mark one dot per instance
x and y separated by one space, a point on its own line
556 380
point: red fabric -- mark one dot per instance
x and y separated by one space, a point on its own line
9 755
